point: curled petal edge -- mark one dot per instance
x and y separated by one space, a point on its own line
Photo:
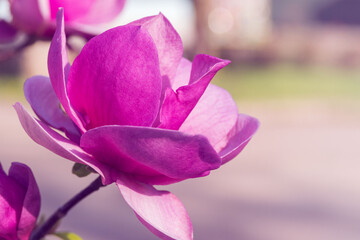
244 129
59 67
160 211
48 138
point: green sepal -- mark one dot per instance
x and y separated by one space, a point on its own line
81 170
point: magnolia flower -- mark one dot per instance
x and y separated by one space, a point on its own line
19 202
35 19
139 114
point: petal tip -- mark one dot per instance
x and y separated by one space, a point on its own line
226 61
60 19
162 17
17 106
60 13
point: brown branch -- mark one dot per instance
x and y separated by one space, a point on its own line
63 210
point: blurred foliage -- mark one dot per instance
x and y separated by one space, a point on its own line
67 236
11 88
289 81
258 83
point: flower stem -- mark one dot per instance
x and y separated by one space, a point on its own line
46 227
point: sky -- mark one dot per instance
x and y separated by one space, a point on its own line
179 12
4 10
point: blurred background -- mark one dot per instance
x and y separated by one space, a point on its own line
295 66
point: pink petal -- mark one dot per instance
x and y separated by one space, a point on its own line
48 138
29 15
88 11
31 204
167 41
43 100
10 40
178 105
181 78
59 67
213 117
116 79
239 136
160 211
182 75
151 152
10 206
8 33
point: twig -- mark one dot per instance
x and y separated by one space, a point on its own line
63 210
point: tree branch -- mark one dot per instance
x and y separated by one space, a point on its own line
63 210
